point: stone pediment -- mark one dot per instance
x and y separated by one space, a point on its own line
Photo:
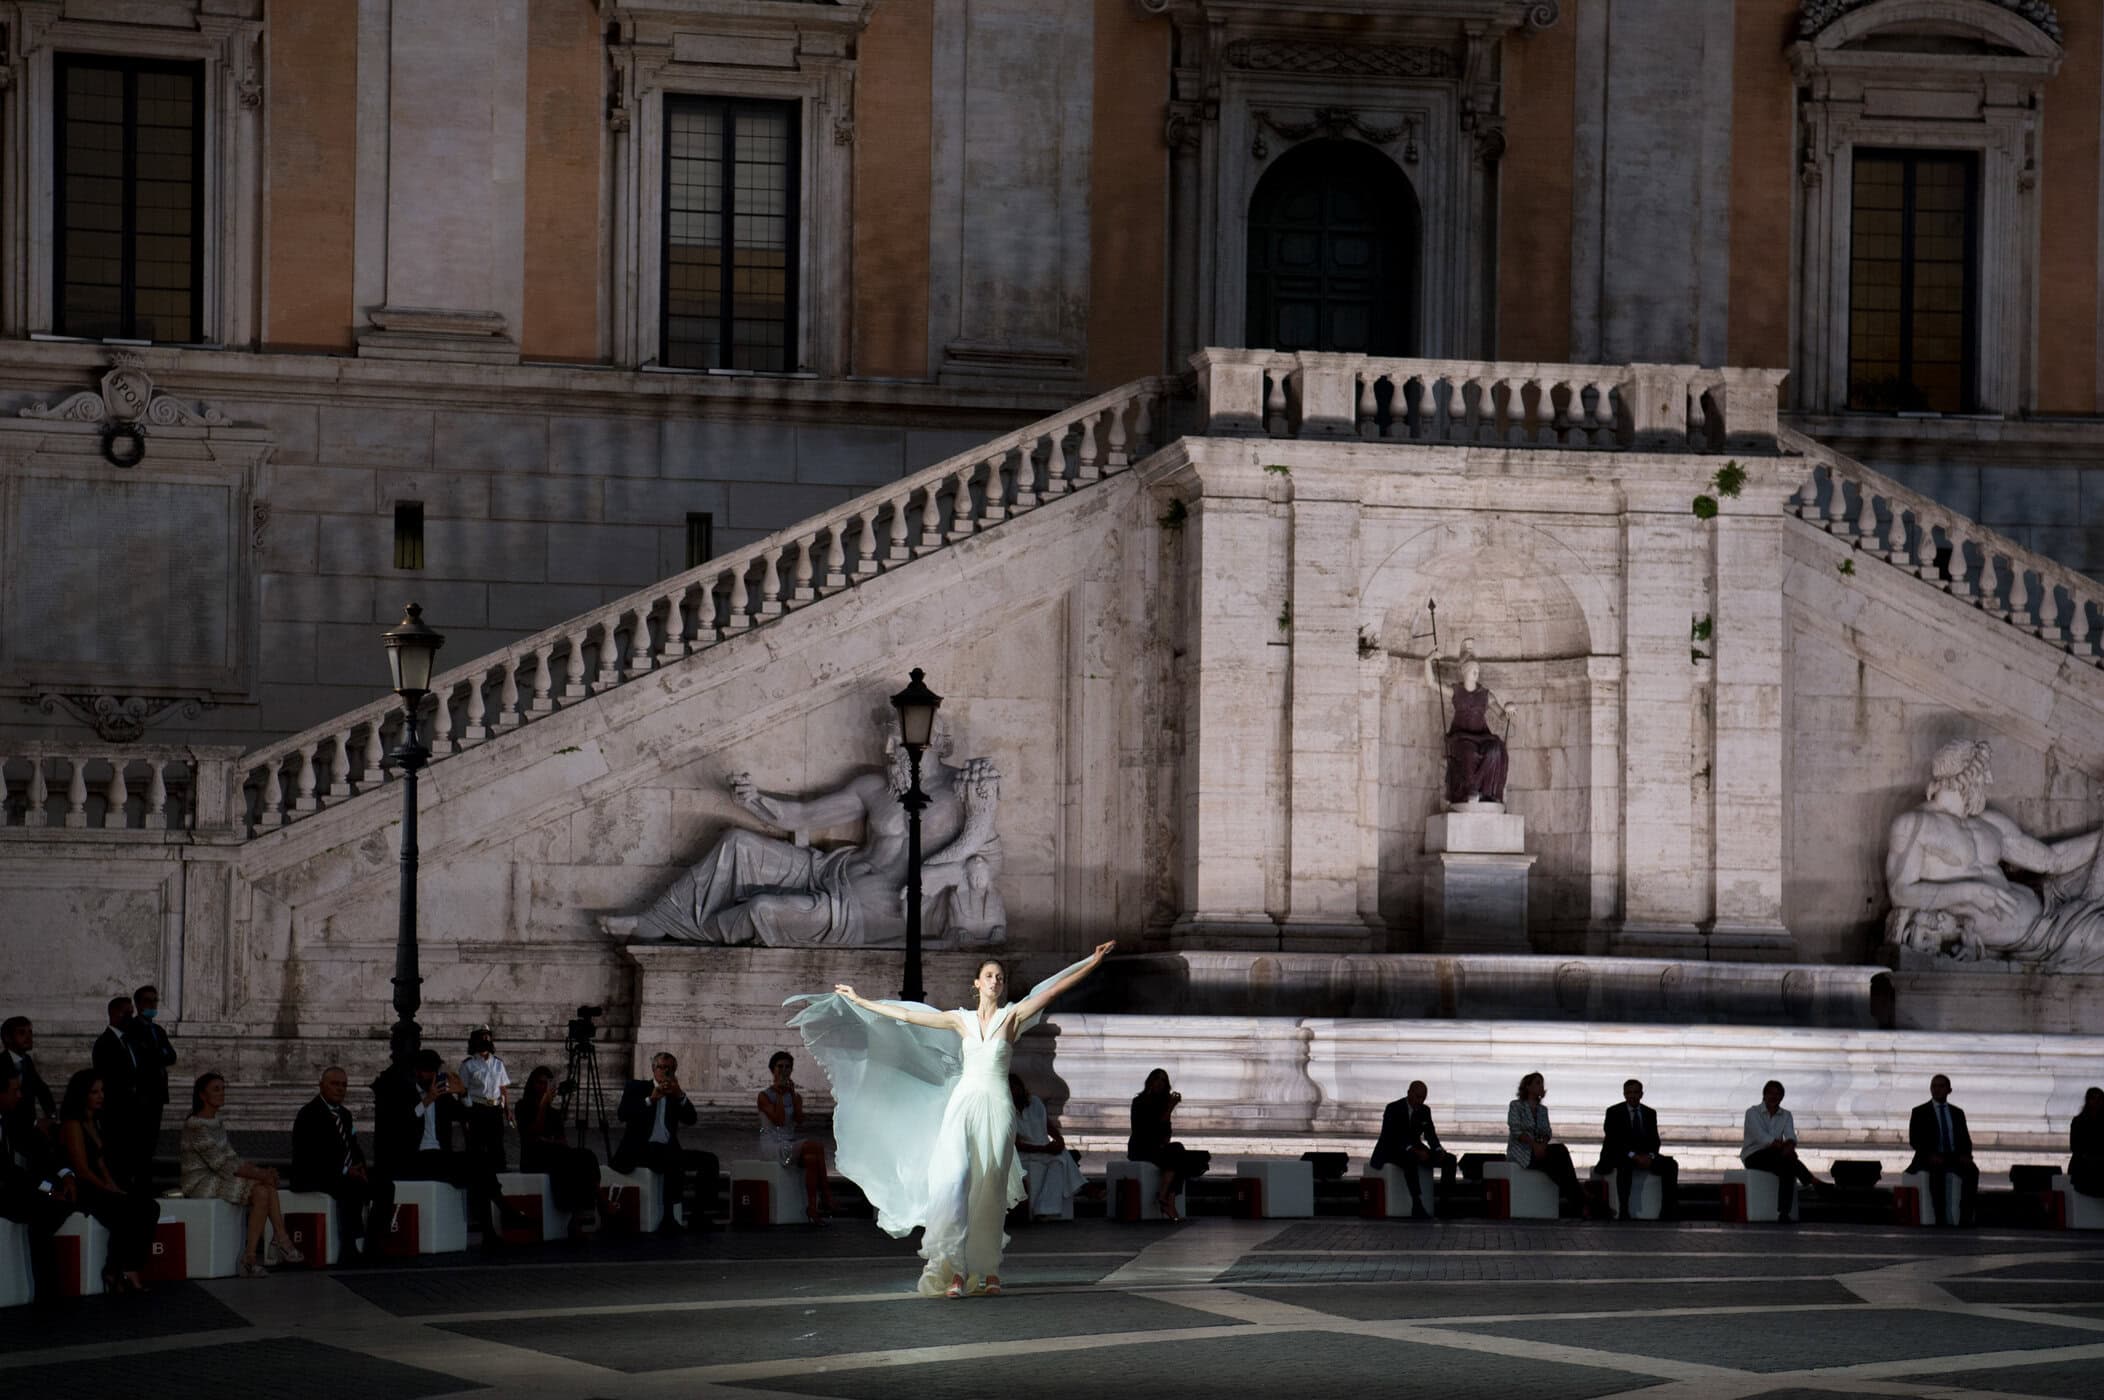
127 395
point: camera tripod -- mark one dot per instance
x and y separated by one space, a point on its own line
581 1084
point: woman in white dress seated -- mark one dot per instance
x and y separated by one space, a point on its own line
784 1138
1049 1172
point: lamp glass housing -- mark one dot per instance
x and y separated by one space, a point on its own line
412 649
916 705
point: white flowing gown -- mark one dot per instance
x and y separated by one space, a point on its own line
924 1124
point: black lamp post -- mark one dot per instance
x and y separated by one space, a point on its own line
411 649
916 705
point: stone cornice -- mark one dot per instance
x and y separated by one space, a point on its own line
1291 14
1816 15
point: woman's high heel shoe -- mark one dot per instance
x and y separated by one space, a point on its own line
956 1288
993 1286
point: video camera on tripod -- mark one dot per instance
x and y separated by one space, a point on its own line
580 1082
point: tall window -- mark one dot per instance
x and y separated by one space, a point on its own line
730 234
129 244
1913 261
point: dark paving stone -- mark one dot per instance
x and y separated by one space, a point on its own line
1844 1337
1288 1364
648 1342
2077 1380
1383 1302
2071 1291
2088 1271
171 1309
267 1370
423 1292
1643 1238
1517 1267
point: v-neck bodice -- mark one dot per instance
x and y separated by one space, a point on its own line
986 1050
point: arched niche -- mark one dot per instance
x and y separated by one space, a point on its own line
1333 264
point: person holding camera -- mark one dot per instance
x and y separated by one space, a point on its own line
416 1108
652 1112
1151 1110
573 1172
784 1137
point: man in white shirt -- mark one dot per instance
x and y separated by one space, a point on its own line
1770 1145
653 1111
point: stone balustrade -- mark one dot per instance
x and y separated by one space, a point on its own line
1655 408
689 612
143 788
1945 549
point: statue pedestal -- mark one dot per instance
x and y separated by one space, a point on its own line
1996 996
1475 893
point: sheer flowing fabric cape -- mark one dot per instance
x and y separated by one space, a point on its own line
891 1082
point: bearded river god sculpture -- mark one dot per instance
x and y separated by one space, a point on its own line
757 889
1952 901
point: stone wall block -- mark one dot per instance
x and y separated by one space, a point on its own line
322 490
442 492
530 607
291 544
663 503
359 434
550 498
846 456
491 442
624 555
713 449
312 598
603 446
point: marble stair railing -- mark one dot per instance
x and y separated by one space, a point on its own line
149 787
689 612
1671 408
1970 562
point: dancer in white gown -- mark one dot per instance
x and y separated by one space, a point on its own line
923 1121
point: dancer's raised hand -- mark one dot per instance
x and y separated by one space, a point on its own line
844 992
1103 950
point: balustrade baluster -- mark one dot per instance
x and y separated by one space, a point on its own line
642 653
962 525
442 740
1117 446
2081 631
157 796
1088 464
930 522
77 794
1472 415
609 651
2044 620
39 794
116 794
271 800
740 602
1368 409
543 701
340 766
836 555
475 731
678 639
1143 423
1027 496
375 754
996 490
508 715
800 589
1274 407
867 563
899 553
1056 463
771 584
573 666
1865 524
303 798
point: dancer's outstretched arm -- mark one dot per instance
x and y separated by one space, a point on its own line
940 1020
1032 1005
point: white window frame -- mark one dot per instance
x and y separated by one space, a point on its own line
230 49
1891 98
710 48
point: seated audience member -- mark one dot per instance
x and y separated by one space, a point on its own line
34 1190
1530 1142
37 1112
573 1172
129 1216
485 1087
1770 1145
327 1157
213 1171
1050 1176
1942 1147
415 1110
785 1139
2085 1145
653 1111
1151 1110
1629 1144
1409 1140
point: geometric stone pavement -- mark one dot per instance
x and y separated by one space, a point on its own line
1315 1308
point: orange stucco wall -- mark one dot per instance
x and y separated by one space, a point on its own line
311 159
1128 196
893 141
2067 191
1534 195
1763 100
565 103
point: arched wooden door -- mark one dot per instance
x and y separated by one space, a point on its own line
1333 252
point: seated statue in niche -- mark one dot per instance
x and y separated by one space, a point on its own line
757 889
1950 898
1476 761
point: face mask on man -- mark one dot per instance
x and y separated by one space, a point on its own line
150 1012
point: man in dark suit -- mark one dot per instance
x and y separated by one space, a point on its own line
116 1059
37 1111
1629 1144
1943 1147
652 1112
415 1110
1408 1140
154 1053
326 1157
35 1191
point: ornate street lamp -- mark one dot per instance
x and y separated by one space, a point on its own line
916 705
411 649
